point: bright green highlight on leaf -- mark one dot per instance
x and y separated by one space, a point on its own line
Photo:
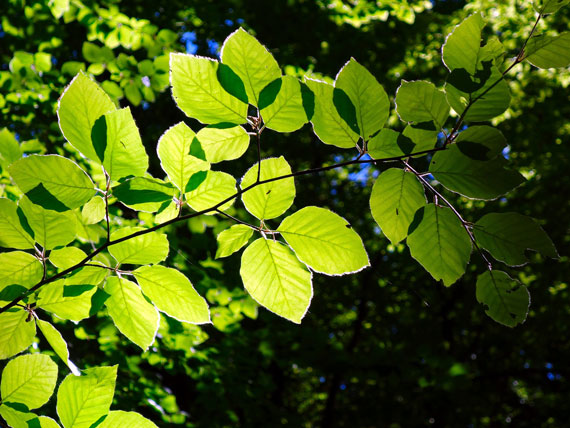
281 105
328 125
272 199
545 51
251 61
324 241
9 148
83 400
19 268
223 142
118 418
144 193
440 243
173 294
215 188
81 104
421 101
16 334
144 249
132 314
66 257
369 98
68 299
174 152
29 380
461 49
506 300
508 235
232 239
198 92
276 279
55 340
17 419
93 211
395 198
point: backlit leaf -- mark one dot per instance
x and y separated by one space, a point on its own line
223 142
215 188
9 148
16 334
56 341
233 239
545 51
118 418
67 300
94 210
144 249
548 6
281 105
421 101
462 46
19 268
144 193
66 257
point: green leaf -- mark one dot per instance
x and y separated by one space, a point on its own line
173 294
418 137
16 334
216 187
548 6
118 144
52 182
281 105
223 142
506 300
421 101
462 47
395 198
324 241
118 418
367 95
481 142
134 317
81 104
51 229
67 300
463 91
56 341
327 123
251 61
66 257
276 279
174 152
389 143
198 92
19 268
473 178
508 235
549 52
144 193
272 199
94 210
29 380
20 419
167 213
83 400
144 249
438 241
58 8
233 239
9 148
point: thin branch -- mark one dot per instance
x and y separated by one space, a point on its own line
107 220
206 211
237 220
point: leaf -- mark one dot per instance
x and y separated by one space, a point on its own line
58 8
56 341
93 211
29 380
395 198
223 142
173 294
68 299
327 123
144 249
51 229
174 152
198 92
369 98
481 142
545 51
144 193
439 243
548 6
281 105
421 101
19 268
276 279
472 178
17 419
216 187
464 92
83 400
118 145
80 105
251 61
118 418
462 47
52 181
272 199
16 334
232 239
508 235
66 257
389 143
418 137
506 300
9 148
134 317
324 241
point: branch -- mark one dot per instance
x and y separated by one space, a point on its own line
214 208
